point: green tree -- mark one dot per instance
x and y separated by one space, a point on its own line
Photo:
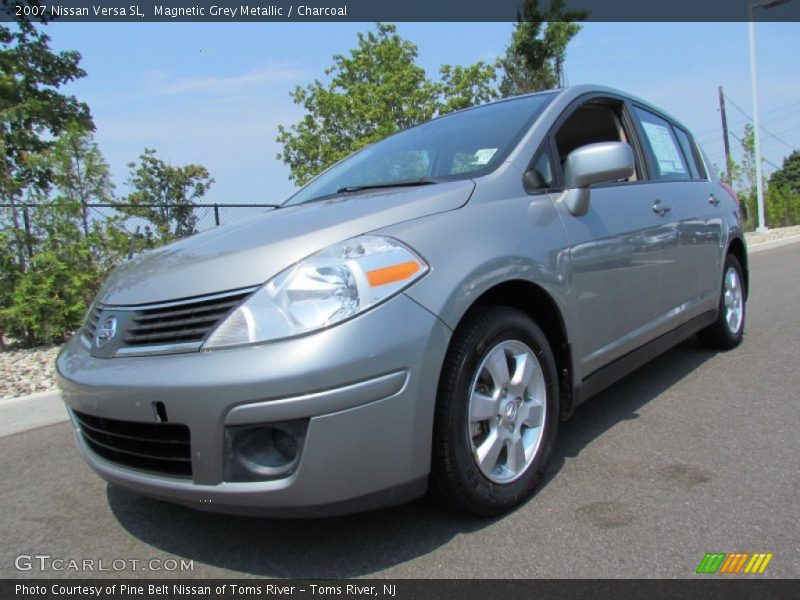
80 173
32 110
788 176
731 176
164 196
9 272
462 87
376 90
783 197
745 178
81 176
70 251
49 301
32 113
534 58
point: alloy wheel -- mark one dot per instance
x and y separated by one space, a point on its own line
733 300
507 406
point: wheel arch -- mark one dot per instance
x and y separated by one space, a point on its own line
738 249
542 308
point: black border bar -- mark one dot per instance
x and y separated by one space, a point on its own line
102 11
730 588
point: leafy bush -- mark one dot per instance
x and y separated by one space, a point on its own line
48 303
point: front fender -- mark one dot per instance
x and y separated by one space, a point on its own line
484 244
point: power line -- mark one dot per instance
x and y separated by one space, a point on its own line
761 127
708 135
713 132
741 110
776 124
781 118
780 108
768 112
790 129
776 144
766 160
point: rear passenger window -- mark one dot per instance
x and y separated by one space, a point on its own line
691 154
665 152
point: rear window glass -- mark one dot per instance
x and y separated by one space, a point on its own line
665 152
691 154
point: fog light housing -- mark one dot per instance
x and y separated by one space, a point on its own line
263 452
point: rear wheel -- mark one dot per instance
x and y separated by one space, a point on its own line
726 332
496 413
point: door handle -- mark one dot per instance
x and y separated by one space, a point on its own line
712 199
660 208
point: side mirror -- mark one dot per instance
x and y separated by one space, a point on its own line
594 163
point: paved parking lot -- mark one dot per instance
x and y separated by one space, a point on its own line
696 452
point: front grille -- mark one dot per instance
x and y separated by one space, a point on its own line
156 447
180 322
90 325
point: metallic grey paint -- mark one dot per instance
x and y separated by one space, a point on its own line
250 252
620 276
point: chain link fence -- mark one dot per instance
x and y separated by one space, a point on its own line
54 256
201 217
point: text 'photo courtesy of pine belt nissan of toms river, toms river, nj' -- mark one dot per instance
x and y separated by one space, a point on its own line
417 319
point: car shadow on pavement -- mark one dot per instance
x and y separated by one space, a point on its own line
363 544
329 548
621 401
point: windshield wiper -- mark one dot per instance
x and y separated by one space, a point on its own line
390 184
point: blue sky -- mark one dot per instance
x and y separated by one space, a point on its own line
215 93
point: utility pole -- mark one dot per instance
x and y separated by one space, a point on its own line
725 141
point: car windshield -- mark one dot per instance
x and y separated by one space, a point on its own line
457 146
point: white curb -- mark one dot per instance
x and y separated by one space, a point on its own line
773 244
31 412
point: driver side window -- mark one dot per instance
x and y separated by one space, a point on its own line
593 122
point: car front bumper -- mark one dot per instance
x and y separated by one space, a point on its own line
367 388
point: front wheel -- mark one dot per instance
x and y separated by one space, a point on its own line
726 332
496 413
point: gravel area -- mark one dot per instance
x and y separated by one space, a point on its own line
27 371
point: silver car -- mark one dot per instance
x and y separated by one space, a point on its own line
418 318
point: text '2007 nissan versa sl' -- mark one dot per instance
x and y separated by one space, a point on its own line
418 318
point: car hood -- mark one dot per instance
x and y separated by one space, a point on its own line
251 252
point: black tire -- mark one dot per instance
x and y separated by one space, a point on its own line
456 480
719 335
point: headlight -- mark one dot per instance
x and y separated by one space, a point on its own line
326 288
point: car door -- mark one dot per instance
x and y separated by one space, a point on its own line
690 262
620 251
703 200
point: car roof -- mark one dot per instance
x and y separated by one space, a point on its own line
567 94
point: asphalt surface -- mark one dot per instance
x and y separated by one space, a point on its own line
696 452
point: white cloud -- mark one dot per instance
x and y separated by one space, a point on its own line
161 83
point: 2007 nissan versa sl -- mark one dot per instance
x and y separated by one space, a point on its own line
418 317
